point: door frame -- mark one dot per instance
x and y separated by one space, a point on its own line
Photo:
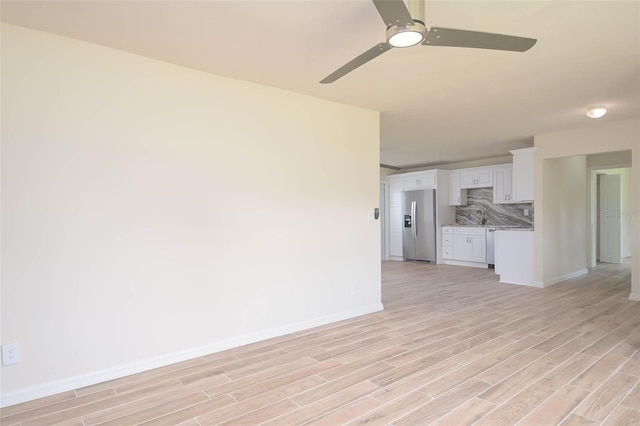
610 185
592 206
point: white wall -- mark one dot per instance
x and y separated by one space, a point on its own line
596 139
565 218
152 213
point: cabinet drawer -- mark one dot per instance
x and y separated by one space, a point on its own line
447 252
447 240
447 230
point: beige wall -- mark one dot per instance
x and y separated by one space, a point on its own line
565 217
596 139
609 159
385 173
152 213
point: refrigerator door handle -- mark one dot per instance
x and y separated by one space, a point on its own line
413 219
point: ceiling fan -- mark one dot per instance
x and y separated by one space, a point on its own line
405 28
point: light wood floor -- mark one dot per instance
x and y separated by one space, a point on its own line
452 347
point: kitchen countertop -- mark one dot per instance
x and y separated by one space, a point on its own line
496 227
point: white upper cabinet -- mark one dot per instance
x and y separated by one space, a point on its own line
424 180
481 177
502 185
457 195
523 174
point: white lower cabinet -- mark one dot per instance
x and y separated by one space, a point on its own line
478 248
447 242
465 244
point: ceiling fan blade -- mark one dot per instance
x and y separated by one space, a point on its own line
393 12
478 40
374 52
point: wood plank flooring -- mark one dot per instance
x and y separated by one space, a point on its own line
452 347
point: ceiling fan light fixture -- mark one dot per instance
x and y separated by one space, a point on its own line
405 35
596 111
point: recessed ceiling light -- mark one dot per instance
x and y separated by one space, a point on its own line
596 111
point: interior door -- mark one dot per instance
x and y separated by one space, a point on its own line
610 219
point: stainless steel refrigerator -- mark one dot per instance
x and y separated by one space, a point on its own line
419 225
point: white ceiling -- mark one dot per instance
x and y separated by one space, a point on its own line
438 104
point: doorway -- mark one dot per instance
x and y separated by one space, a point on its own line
609 206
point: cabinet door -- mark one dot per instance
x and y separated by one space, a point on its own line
508 186
461 247
484 178
467 180
523 173
395 192
395 244
420 181
478 249
429 179
502 186
476 178
457 196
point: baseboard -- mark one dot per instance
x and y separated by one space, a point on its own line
536 284
463 263
556 280
634 296
71 383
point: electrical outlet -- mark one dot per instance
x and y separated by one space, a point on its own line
10 354
526 212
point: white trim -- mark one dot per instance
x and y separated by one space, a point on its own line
634 296
71 383
463 263
556 280
536 284
592 214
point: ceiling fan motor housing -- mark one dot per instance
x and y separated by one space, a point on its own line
395 32
416 10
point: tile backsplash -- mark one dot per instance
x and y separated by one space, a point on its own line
480 205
